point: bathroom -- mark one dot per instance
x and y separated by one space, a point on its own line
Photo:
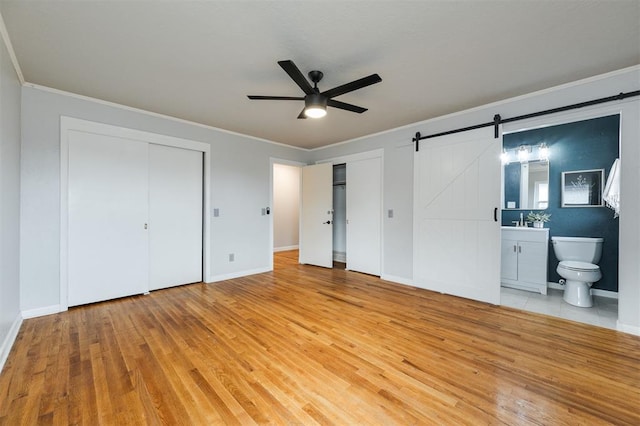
574 149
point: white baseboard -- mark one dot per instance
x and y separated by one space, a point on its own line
40 312
594 291
232 275
285 248
625 328
9 340
398 280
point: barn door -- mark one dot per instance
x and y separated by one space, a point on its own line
456 228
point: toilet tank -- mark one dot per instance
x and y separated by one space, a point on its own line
581 249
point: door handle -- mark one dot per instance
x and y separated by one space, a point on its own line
495 214
514 248
327 222
519 249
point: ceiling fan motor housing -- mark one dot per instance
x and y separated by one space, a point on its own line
315 100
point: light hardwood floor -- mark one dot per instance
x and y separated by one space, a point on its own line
306 345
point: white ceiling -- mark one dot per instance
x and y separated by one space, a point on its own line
198 60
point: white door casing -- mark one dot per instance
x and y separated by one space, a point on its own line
456 200
316 236
175 216
364 212
108 212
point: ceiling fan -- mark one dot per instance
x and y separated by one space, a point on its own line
316 102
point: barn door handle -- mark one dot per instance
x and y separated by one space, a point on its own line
495 214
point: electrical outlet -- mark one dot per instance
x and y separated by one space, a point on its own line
232 257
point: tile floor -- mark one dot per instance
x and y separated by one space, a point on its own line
604 312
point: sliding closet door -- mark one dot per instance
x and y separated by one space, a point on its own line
364 210
175 216
456 237
108 210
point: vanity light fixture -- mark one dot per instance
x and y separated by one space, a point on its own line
543 152
523 153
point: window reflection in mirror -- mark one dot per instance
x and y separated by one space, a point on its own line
526 185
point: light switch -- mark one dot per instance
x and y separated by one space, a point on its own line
216 212
390 213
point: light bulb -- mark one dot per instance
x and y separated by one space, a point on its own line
315 112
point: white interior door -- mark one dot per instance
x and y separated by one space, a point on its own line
456 239
316 239
108 210
364 210
175 216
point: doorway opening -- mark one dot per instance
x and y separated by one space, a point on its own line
340 215
286 208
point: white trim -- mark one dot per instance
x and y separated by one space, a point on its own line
285 248
40 312
604 293
366 155
9 340
12 53
398 280
68 124
490 105
627 328
587 113
153 114
232 275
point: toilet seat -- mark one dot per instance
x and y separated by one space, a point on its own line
576 266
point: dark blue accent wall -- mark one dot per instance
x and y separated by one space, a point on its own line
582 145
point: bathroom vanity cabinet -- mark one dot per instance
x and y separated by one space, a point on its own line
524 258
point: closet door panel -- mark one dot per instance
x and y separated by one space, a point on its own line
175 216
364 210
108 210
316 234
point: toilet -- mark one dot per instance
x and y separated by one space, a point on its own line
578 258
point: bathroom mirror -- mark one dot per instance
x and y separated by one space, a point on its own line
526 185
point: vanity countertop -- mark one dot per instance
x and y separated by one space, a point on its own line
524 228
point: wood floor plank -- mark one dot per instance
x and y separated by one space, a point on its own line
308 345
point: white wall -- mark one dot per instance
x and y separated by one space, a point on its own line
398 174
240 188
286 207
10 318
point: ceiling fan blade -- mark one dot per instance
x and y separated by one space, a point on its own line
301 115
276 98
354 85
343 105
290 68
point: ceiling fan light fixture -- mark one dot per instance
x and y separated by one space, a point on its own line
315 106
